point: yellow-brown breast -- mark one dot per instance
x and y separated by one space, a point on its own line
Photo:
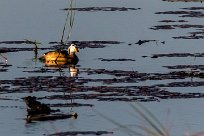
61 56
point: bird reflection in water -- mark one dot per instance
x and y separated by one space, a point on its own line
73 71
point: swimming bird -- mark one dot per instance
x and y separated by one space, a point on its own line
61 57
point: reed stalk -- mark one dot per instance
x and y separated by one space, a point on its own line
69 16
155 127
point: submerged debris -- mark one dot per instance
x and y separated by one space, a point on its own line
38 111
140 42
44 117
36 107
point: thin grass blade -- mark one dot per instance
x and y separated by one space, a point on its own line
122 126
149 120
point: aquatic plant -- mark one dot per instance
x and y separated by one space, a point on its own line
153 127
70 15
4 58
35 44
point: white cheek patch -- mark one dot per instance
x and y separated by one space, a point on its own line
72 49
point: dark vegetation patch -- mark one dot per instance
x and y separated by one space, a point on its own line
43 70
18 42
105 93
4 49
19 107
98 44
167 27
189 37
3 70
60 69
71 105
183 13
171 21
178 55
16 49
134 76
140 42
116 73
95 9
116 59
163 27
192 67
4 66
4 98
59 45
75 133
87 44
184 0
199 34
186 74
194 8
77 88
186 84
131 94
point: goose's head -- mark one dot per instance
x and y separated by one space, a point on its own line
72 49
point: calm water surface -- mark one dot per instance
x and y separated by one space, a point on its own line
43 21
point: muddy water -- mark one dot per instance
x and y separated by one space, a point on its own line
148 51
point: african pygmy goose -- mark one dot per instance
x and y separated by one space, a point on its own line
61 56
